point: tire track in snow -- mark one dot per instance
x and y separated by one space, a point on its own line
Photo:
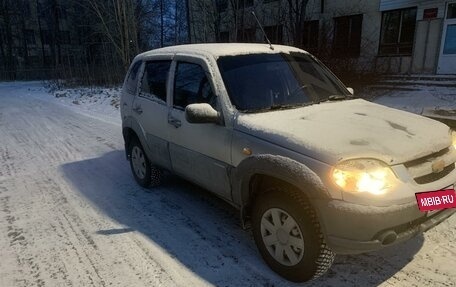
77 238
92 225
19 242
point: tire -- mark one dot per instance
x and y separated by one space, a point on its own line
288 235
144 173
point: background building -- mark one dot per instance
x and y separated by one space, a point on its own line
385 36
89 41
35 36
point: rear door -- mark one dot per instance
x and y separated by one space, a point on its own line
199 152
150 108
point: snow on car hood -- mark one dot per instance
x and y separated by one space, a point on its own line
334 131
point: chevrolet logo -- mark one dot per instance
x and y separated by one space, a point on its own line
438 166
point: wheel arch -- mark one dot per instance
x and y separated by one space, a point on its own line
256 172
133 130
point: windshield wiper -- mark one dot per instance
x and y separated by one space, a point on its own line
290 106
334 98
277 107
337 97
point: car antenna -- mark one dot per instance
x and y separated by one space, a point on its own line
262 30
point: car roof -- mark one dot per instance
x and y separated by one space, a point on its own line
221 49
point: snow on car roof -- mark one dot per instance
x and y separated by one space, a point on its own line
222 49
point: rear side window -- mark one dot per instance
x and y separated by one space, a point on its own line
131 83
153 84
192 86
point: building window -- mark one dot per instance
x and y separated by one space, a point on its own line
246 35
274 33
398 32
451 14
310 34
347 36
450 40
30 37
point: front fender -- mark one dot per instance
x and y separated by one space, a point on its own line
279 167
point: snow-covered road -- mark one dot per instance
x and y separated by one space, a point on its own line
72 215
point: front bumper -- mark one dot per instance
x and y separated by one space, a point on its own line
351 228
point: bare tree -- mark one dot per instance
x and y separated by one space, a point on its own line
85 41
5 13
297 17
206 20
116 21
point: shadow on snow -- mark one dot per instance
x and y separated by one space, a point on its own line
203 232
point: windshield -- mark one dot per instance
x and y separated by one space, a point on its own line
258 82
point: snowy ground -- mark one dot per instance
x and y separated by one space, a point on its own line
72 215
420 101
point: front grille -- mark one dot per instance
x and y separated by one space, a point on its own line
424 159
435 176
421 169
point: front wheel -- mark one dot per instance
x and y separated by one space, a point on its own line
288 235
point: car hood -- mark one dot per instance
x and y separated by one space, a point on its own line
335 131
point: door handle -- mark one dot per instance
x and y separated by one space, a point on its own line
175 122
138 110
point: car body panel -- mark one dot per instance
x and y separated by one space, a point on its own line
300 146
199 152
336 131
150 114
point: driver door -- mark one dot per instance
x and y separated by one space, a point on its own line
199 152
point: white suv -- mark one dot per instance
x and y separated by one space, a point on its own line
312 170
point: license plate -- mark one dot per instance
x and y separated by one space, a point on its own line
436 200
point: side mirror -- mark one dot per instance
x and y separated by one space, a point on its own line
351 91
201 114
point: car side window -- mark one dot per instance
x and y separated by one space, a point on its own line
131 83
192 86
153 84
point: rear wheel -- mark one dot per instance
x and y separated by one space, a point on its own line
288 235
144 173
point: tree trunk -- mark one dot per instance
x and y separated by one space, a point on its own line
38 15
9 61
161 24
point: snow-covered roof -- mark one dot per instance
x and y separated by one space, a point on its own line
222 49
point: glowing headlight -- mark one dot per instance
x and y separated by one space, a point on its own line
363 175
